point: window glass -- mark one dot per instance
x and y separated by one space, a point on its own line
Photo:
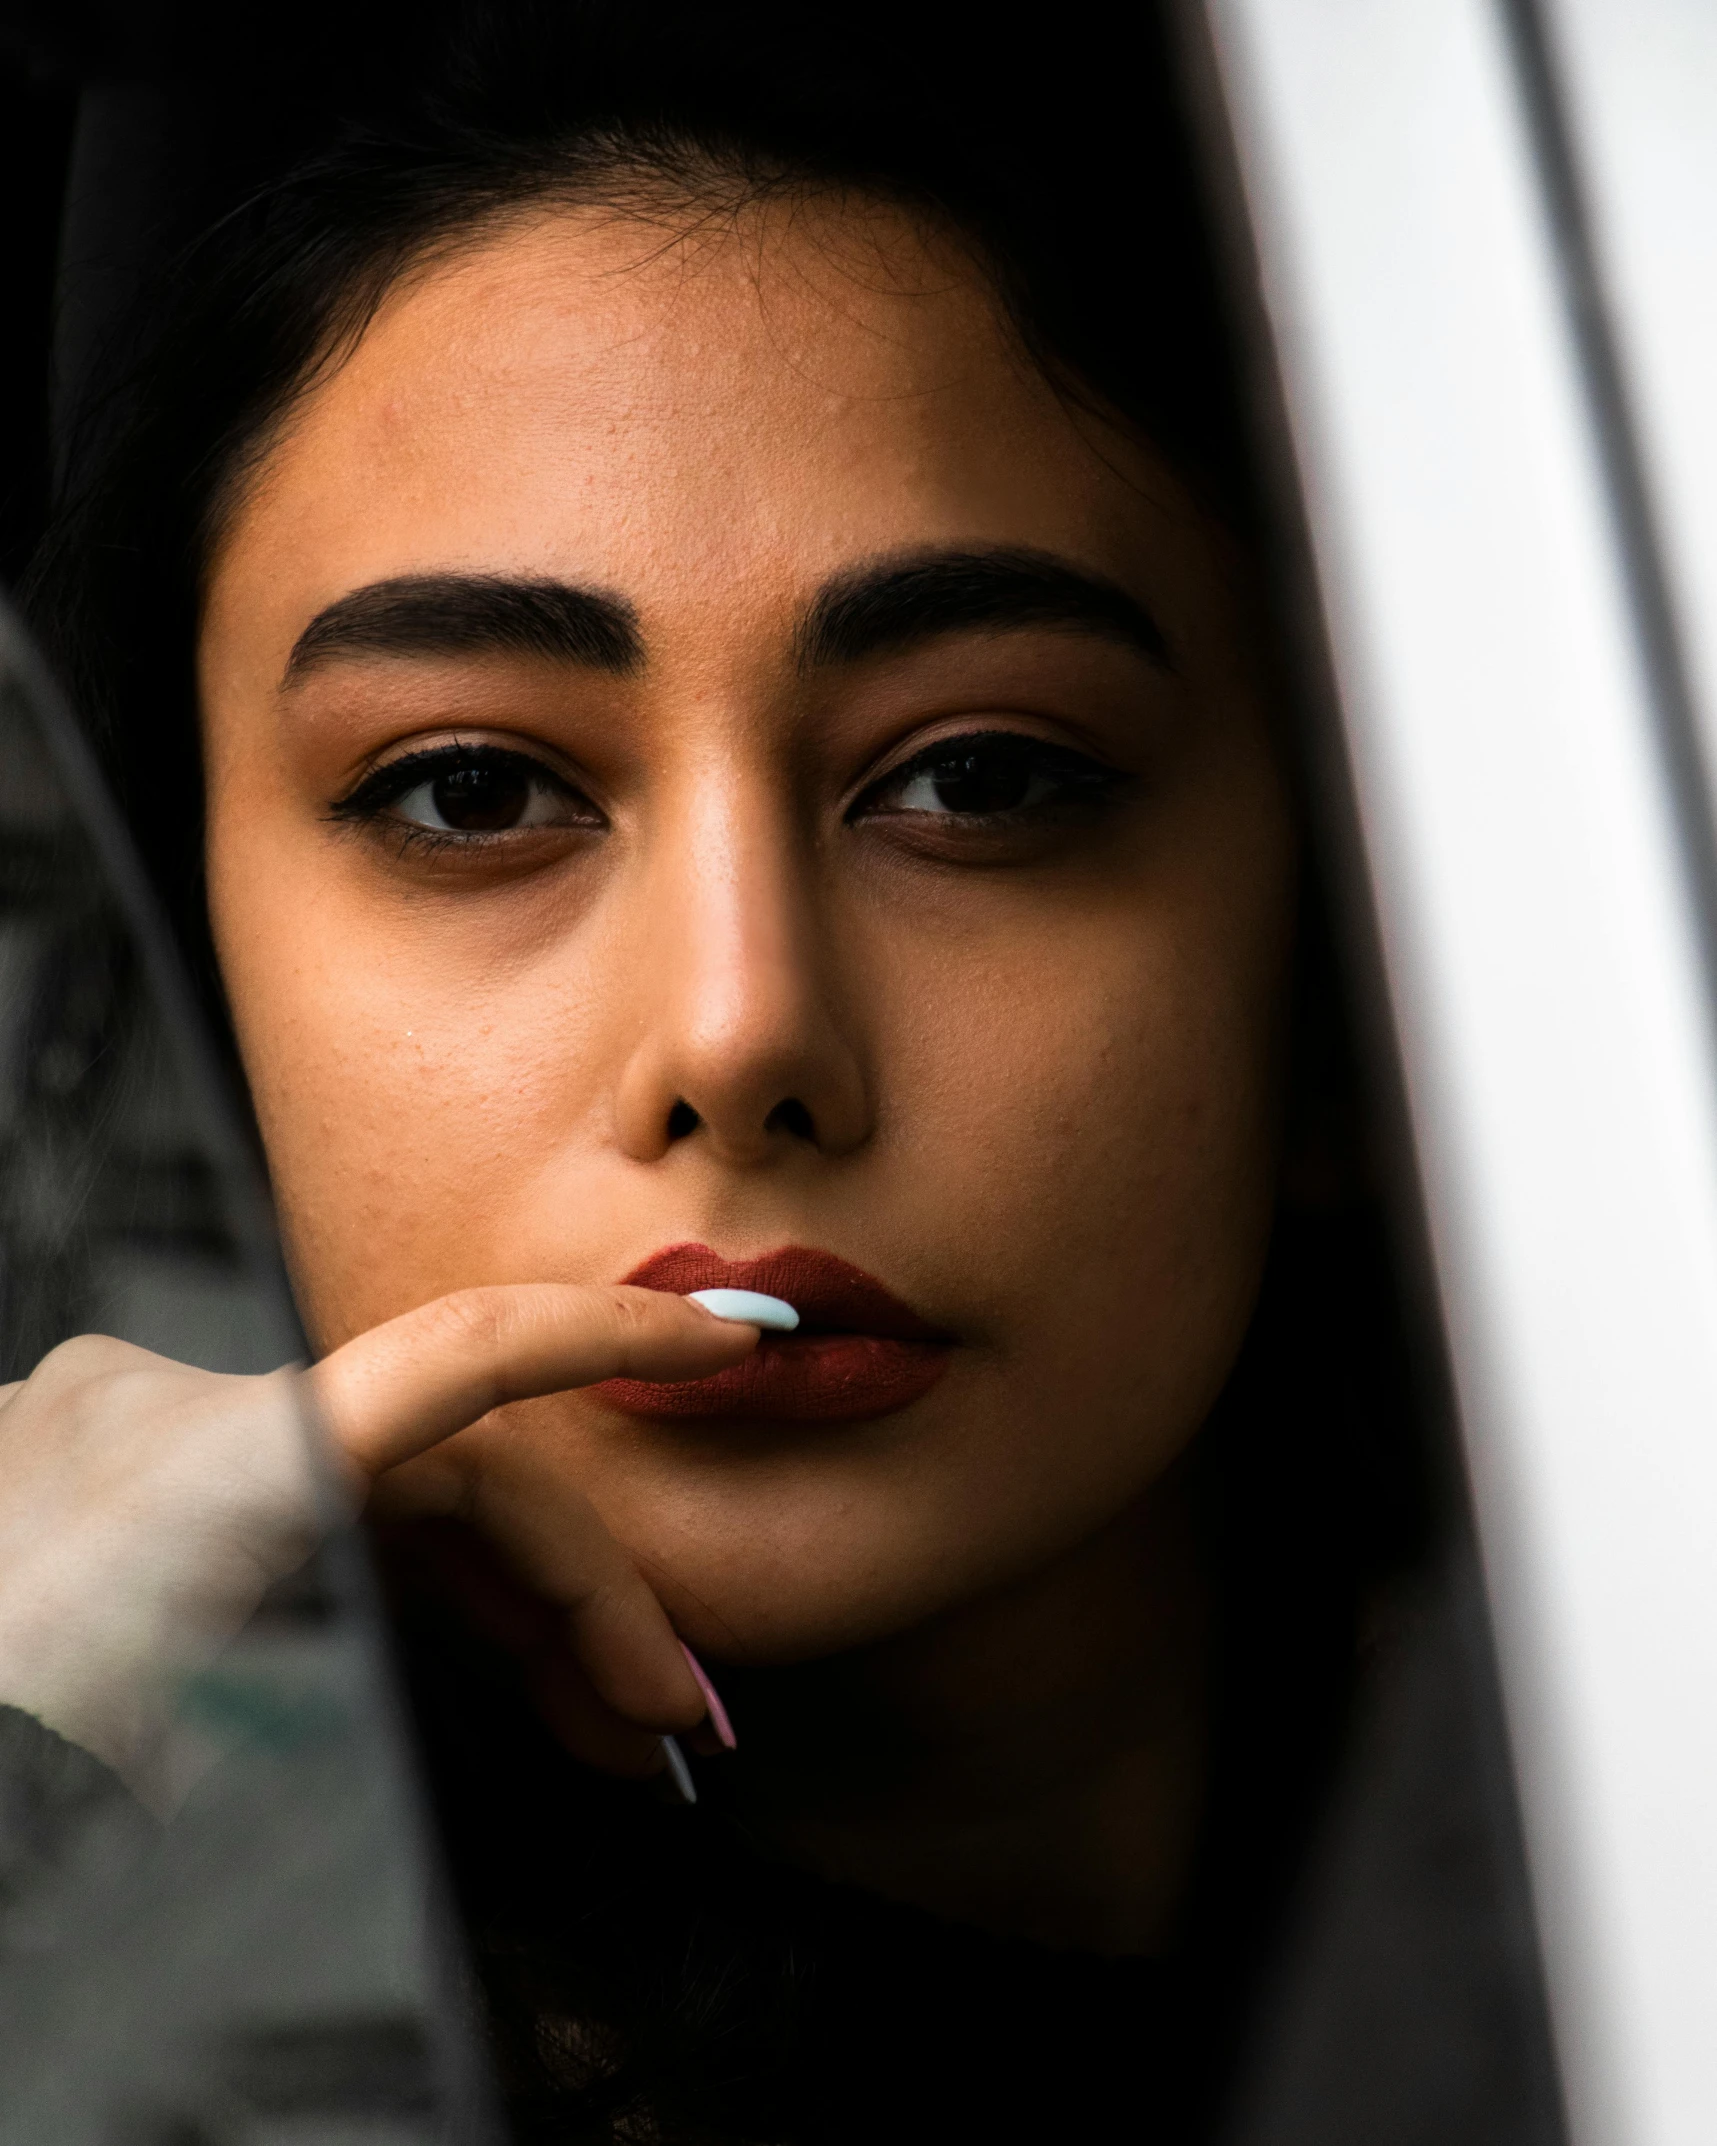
243 1941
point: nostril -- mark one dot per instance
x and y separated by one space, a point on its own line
682 1119
791 1117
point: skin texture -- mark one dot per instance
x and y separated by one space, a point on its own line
1035 1067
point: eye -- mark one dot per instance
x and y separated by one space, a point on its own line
994 775
470 790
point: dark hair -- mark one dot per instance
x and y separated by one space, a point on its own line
1063 169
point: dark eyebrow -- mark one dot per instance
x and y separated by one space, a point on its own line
472 614
900 602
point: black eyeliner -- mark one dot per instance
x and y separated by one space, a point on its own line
386 785
1088 780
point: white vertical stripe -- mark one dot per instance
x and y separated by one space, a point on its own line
1543 967
1641 77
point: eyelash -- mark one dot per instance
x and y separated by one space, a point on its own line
369 803
969 760
1076 779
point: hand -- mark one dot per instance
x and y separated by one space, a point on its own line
145 1506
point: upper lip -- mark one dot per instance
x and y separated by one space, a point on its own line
829 1293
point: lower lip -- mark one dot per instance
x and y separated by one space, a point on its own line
802 1378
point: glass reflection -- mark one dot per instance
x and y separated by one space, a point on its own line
239 1941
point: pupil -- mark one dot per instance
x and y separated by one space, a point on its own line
482 798
990 779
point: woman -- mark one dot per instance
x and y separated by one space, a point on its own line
737 755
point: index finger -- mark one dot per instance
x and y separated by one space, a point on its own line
404 1386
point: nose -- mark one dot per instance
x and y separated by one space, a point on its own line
743 1045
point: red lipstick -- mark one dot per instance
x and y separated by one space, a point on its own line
858 1351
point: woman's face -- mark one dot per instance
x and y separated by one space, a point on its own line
705 750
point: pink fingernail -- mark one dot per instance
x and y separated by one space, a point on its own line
718 1720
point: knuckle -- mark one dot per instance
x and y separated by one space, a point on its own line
94 1379
469 1322
92 1356
632 1313
644 1316
116 1405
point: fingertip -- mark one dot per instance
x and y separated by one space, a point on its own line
744 1333
747 1307
654 1304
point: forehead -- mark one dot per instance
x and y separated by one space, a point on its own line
699 414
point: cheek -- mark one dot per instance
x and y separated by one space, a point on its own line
1109 1077
409 1086
1100 1158
1119 1126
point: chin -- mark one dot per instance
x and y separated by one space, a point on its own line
795 1570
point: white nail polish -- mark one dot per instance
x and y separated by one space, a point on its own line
678 1771
749 1307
